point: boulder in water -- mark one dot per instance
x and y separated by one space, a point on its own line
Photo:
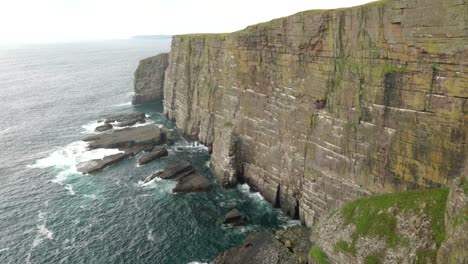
235 218
102 128
156 153
98 164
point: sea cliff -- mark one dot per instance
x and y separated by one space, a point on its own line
324 107
319 108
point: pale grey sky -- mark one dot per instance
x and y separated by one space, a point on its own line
69 20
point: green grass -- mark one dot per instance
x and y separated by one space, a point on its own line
371 260
345 247
371 216
317 254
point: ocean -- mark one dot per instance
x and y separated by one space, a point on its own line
51 97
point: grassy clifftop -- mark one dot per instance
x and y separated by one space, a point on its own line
405 226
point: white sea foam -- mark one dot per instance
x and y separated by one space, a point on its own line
123 104
42 231
4 249
69 187
8 129
150 236
66 158
245 188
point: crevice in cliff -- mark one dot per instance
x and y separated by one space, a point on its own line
297 215
278 198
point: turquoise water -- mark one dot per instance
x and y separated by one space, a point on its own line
50 98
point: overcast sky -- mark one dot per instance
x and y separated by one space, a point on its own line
69 20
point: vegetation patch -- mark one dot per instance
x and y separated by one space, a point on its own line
373 216
345 247
371 260
317 254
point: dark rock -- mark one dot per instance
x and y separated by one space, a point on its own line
172 172
102 128
126 138
132 151
168 136
130 122
183 173
155 154
98 164
192 183
235 218
258 248
179 148
127 119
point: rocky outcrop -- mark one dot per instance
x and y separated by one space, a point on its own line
99 164
126 119
183 173
454 249
103 128
149 79
258 248
319 108
403 227
234 217
153 155
127 137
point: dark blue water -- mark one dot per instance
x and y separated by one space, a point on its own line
50 98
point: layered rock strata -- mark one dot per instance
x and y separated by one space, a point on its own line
149 79
319 108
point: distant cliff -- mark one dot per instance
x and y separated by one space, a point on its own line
319 108
149 79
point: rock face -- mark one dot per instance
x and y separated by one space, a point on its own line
154 154
258 248
317 109
149 79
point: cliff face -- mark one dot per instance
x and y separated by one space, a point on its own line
322 107
149 79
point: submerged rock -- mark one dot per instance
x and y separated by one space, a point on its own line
235 218
154 154
102 128
98 164
258 248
